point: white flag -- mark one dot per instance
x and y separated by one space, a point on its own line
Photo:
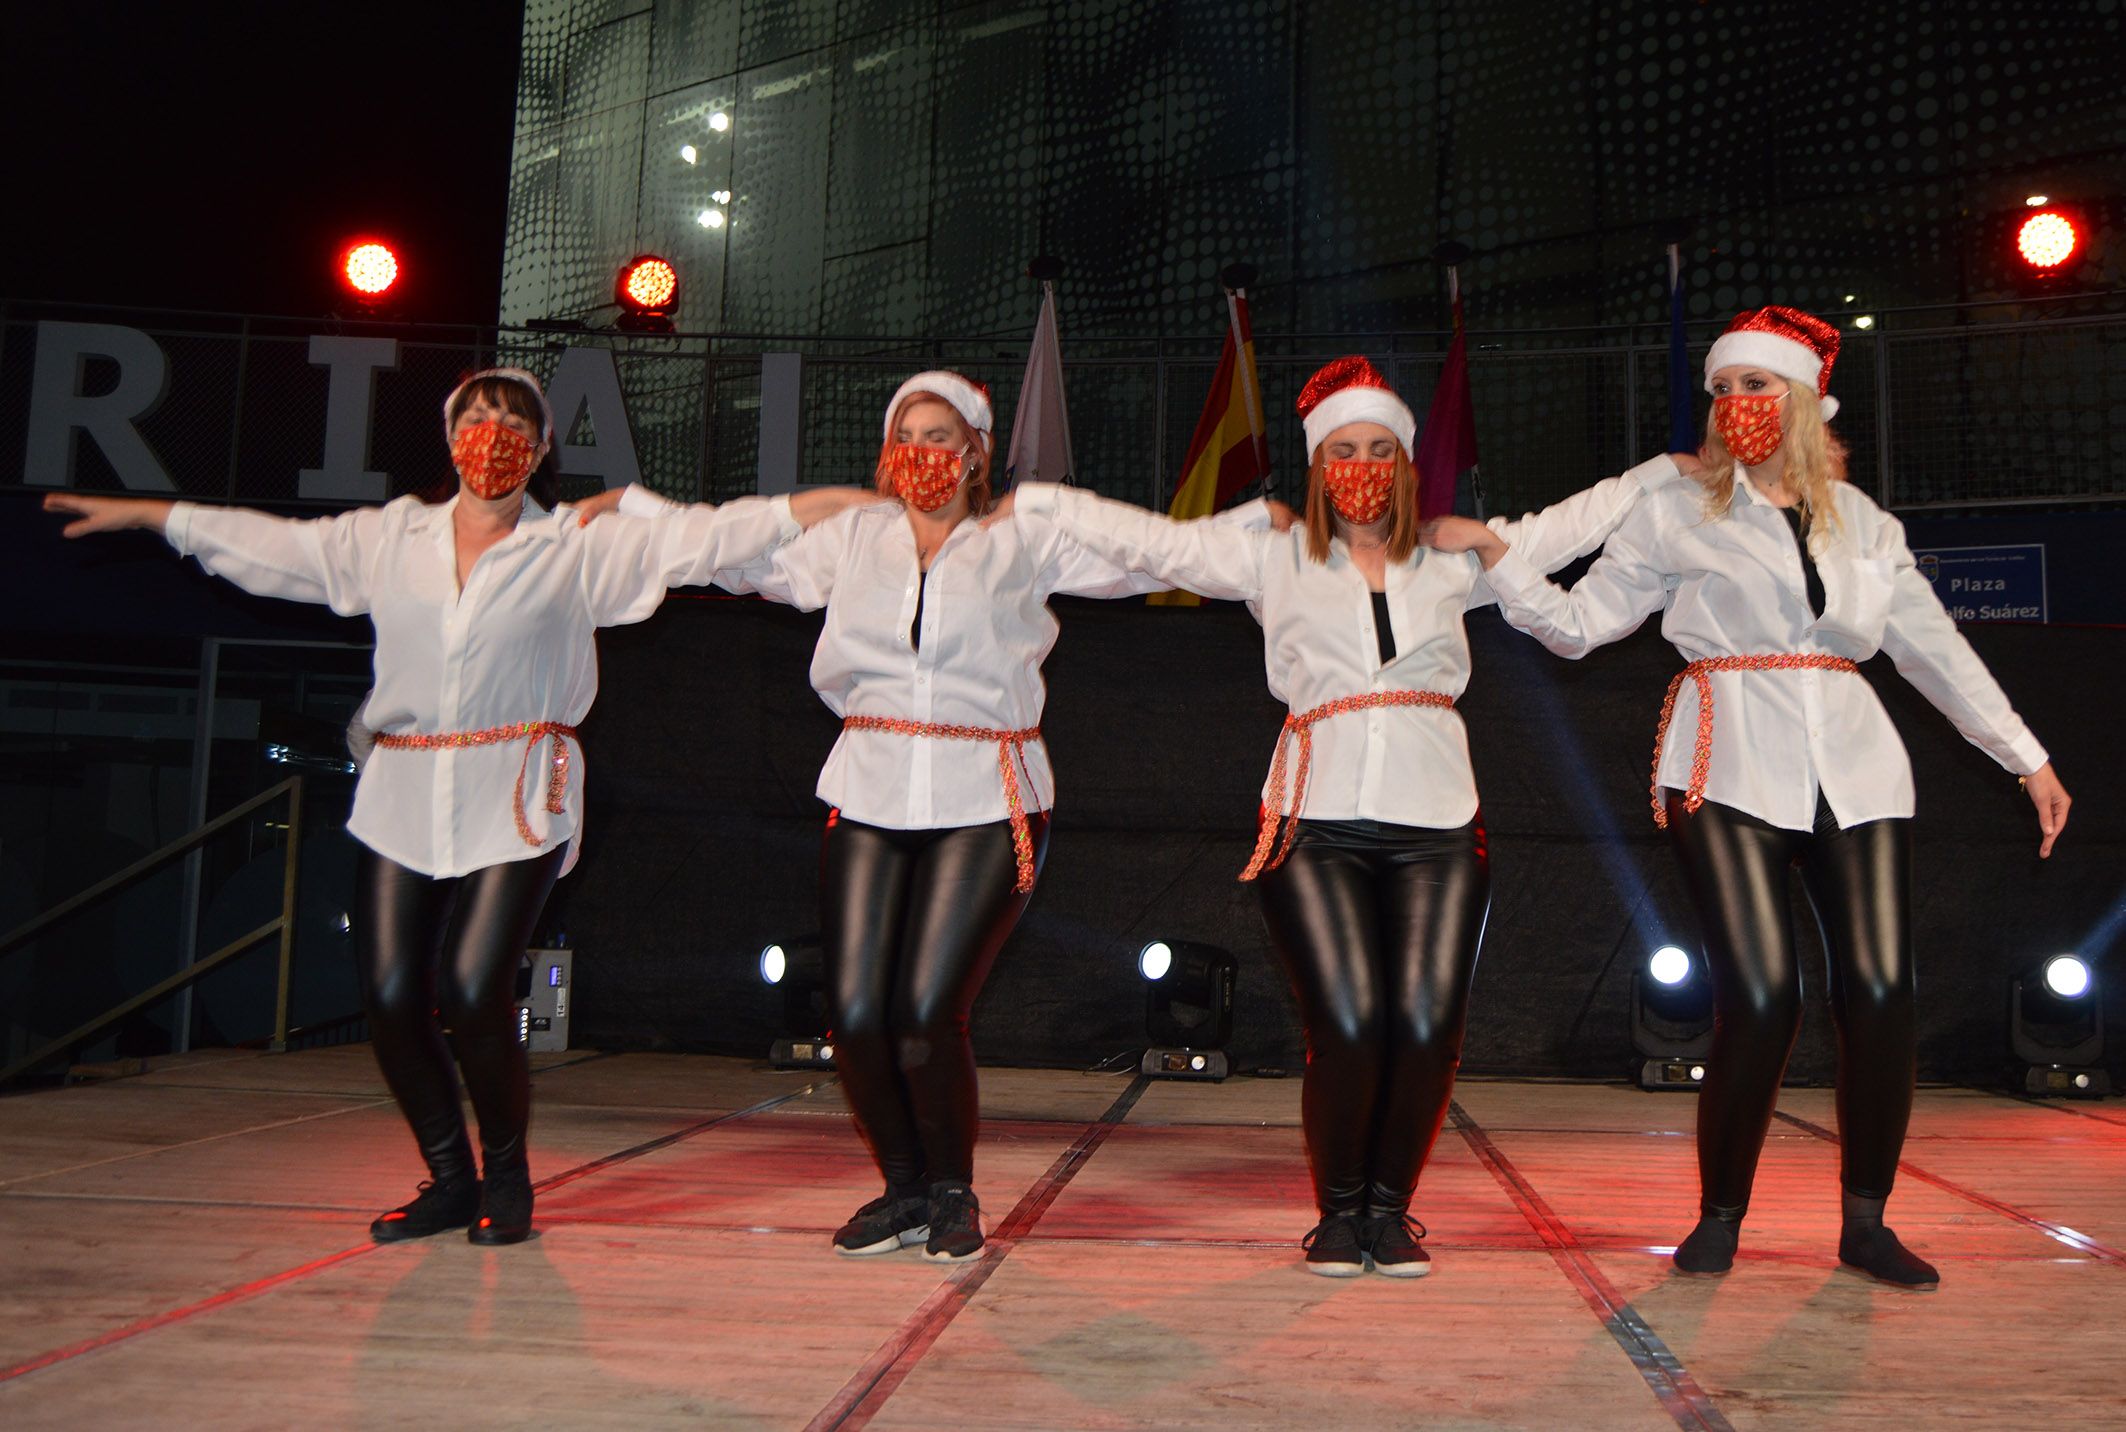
1040 429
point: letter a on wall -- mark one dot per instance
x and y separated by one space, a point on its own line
59 409
586 380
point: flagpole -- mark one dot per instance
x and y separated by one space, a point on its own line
1235 278
1449 255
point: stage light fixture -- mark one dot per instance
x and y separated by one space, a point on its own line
798 969
719 121
647 290
369 268
721 196
1671 1019
1188 1009
2056 1030
710 218
689 153
2047 240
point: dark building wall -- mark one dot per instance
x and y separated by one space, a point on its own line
890 168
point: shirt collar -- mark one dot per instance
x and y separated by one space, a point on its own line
535 524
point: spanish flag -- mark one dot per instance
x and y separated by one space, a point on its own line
1229 450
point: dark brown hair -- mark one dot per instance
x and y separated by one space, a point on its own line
977 484
1402 508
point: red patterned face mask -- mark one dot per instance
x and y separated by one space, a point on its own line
1749 424
923 477
494 460
1359 490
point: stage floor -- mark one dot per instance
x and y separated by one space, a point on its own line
188 1248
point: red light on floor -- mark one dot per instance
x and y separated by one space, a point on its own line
2047 239
648 284
370 268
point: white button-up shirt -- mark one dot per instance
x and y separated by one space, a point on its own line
986 630
1735 587
1402 765
514 646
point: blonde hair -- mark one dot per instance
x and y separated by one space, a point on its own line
1404 518
977 483
1815 458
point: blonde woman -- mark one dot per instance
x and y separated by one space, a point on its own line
1776 577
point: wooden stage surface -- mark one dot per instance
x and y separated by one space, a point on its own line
187 1248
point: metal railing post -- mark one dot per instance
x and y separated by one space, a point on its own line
291 865
195 816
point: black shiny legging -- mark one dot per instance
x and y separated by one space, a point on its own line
442 955
1378 926
912 923
1859 883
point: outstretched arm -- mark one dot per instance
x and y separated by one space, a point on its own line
324 560
1122 549
1928 650
1626 585
1566 531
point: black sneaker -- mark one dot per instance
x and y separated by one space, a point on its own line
955 1224
436 1208
884 1225
505 1206
1333 1247
1392 1248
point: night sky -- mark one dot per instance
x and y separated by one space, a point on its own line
216 156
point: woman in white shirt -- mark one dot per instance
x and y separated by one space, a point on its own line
466 812
938 790
1374 878
1776 577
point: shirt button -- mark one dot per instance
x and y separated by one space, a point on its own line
922 680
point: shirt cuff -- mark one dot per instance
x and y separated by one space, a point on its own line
2026 754
1654 472
640 501
177 527
1512 577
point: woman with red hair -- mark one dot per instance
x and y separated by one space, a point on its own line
1776 577
1371 867
939 788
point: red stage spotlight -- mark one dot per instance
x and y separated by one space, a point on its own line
369 268
2047 240
647 284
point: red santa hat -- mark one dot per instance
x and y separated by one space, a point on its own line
1799 347
1351 390
507 375
968 398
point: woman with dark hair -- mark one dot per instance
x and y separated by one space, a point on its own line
485 665
1776 578
1372 867
939 788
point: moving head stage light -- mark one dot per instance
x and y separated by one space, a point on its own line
1188 1009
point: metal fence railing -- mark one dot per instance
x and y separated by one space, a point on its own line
1942 407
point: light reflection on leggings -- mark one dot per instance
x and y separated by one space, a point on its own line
912 923
1378 926
1859 883
438 955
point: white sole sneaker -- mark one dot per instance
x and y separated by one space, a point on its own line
1336 1270
1398 1270
887 1245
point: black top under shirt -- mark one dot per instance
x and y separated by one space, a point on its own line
1811 579
1381 629
922 590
